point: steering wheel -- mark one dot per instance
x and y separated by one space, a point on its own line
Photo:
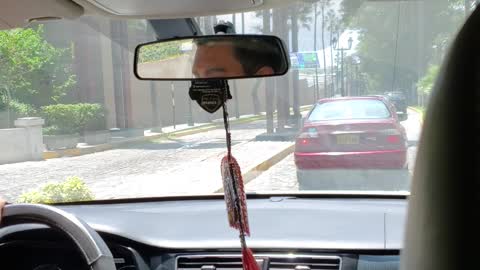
93 248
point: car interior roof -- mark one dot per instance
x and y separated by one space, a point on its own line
19 13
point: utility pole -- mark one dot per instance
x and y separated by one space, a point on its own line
325 83
156 123
342 52
342 76
333 77
295 74
316 85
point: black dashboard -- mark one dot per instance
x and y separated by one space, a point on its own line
288 233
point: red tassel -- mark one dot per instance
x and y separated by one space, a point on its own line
248 260
230 198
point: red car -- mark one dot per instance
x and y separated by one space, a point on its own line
351 133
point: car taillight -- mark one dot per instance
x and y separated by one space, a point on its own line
393 139
306 135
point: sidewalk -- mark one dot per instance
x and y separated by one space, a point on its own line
167 132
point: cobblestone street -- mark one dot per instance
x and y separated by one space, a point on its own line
183 166
188 165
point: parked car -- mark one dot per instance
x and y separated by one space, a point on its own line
399 99
350 133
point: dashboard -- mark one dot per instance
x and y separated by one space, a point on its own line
288 233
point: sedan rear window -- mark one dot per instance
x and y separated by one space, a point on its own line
350 109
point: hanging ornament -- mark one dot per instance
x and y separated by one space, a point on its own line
235 197
212 95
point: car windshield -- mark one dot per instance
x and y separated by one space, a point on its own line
77 125
349 109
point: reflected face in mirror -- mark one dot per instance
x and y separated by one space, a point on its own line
223 59
211 57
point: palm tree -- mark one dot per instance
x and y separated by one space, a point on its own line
300 15
208 24
315 82
333 26
325 78
235 90
285 19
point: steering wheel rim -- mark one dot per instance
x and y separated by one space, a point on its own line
91 245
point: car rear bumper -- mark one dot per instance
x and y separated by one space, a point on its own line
354 179
385 159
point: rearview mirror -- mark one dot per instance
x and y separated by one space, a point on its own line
211 57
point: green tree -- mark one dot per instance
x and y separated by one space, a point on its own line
412 34
32 70
425 84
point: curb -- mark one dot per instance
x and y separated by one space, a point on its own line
108 146
188 131
415 109
258 169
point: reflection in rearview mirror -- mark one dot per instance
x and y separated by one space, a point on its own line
211 57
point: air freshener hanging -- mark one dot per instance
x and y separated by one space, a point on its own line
217 93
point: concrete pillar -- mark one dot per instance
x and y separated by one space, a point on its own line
108 79
33 136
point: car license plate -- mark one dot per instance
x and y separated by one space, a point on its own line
348 139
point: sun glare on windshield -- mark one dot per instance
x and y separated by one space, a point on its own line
77 125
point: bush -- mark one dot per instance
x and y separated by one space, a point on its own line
73 118
22 109
73 189
156 52
11 110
